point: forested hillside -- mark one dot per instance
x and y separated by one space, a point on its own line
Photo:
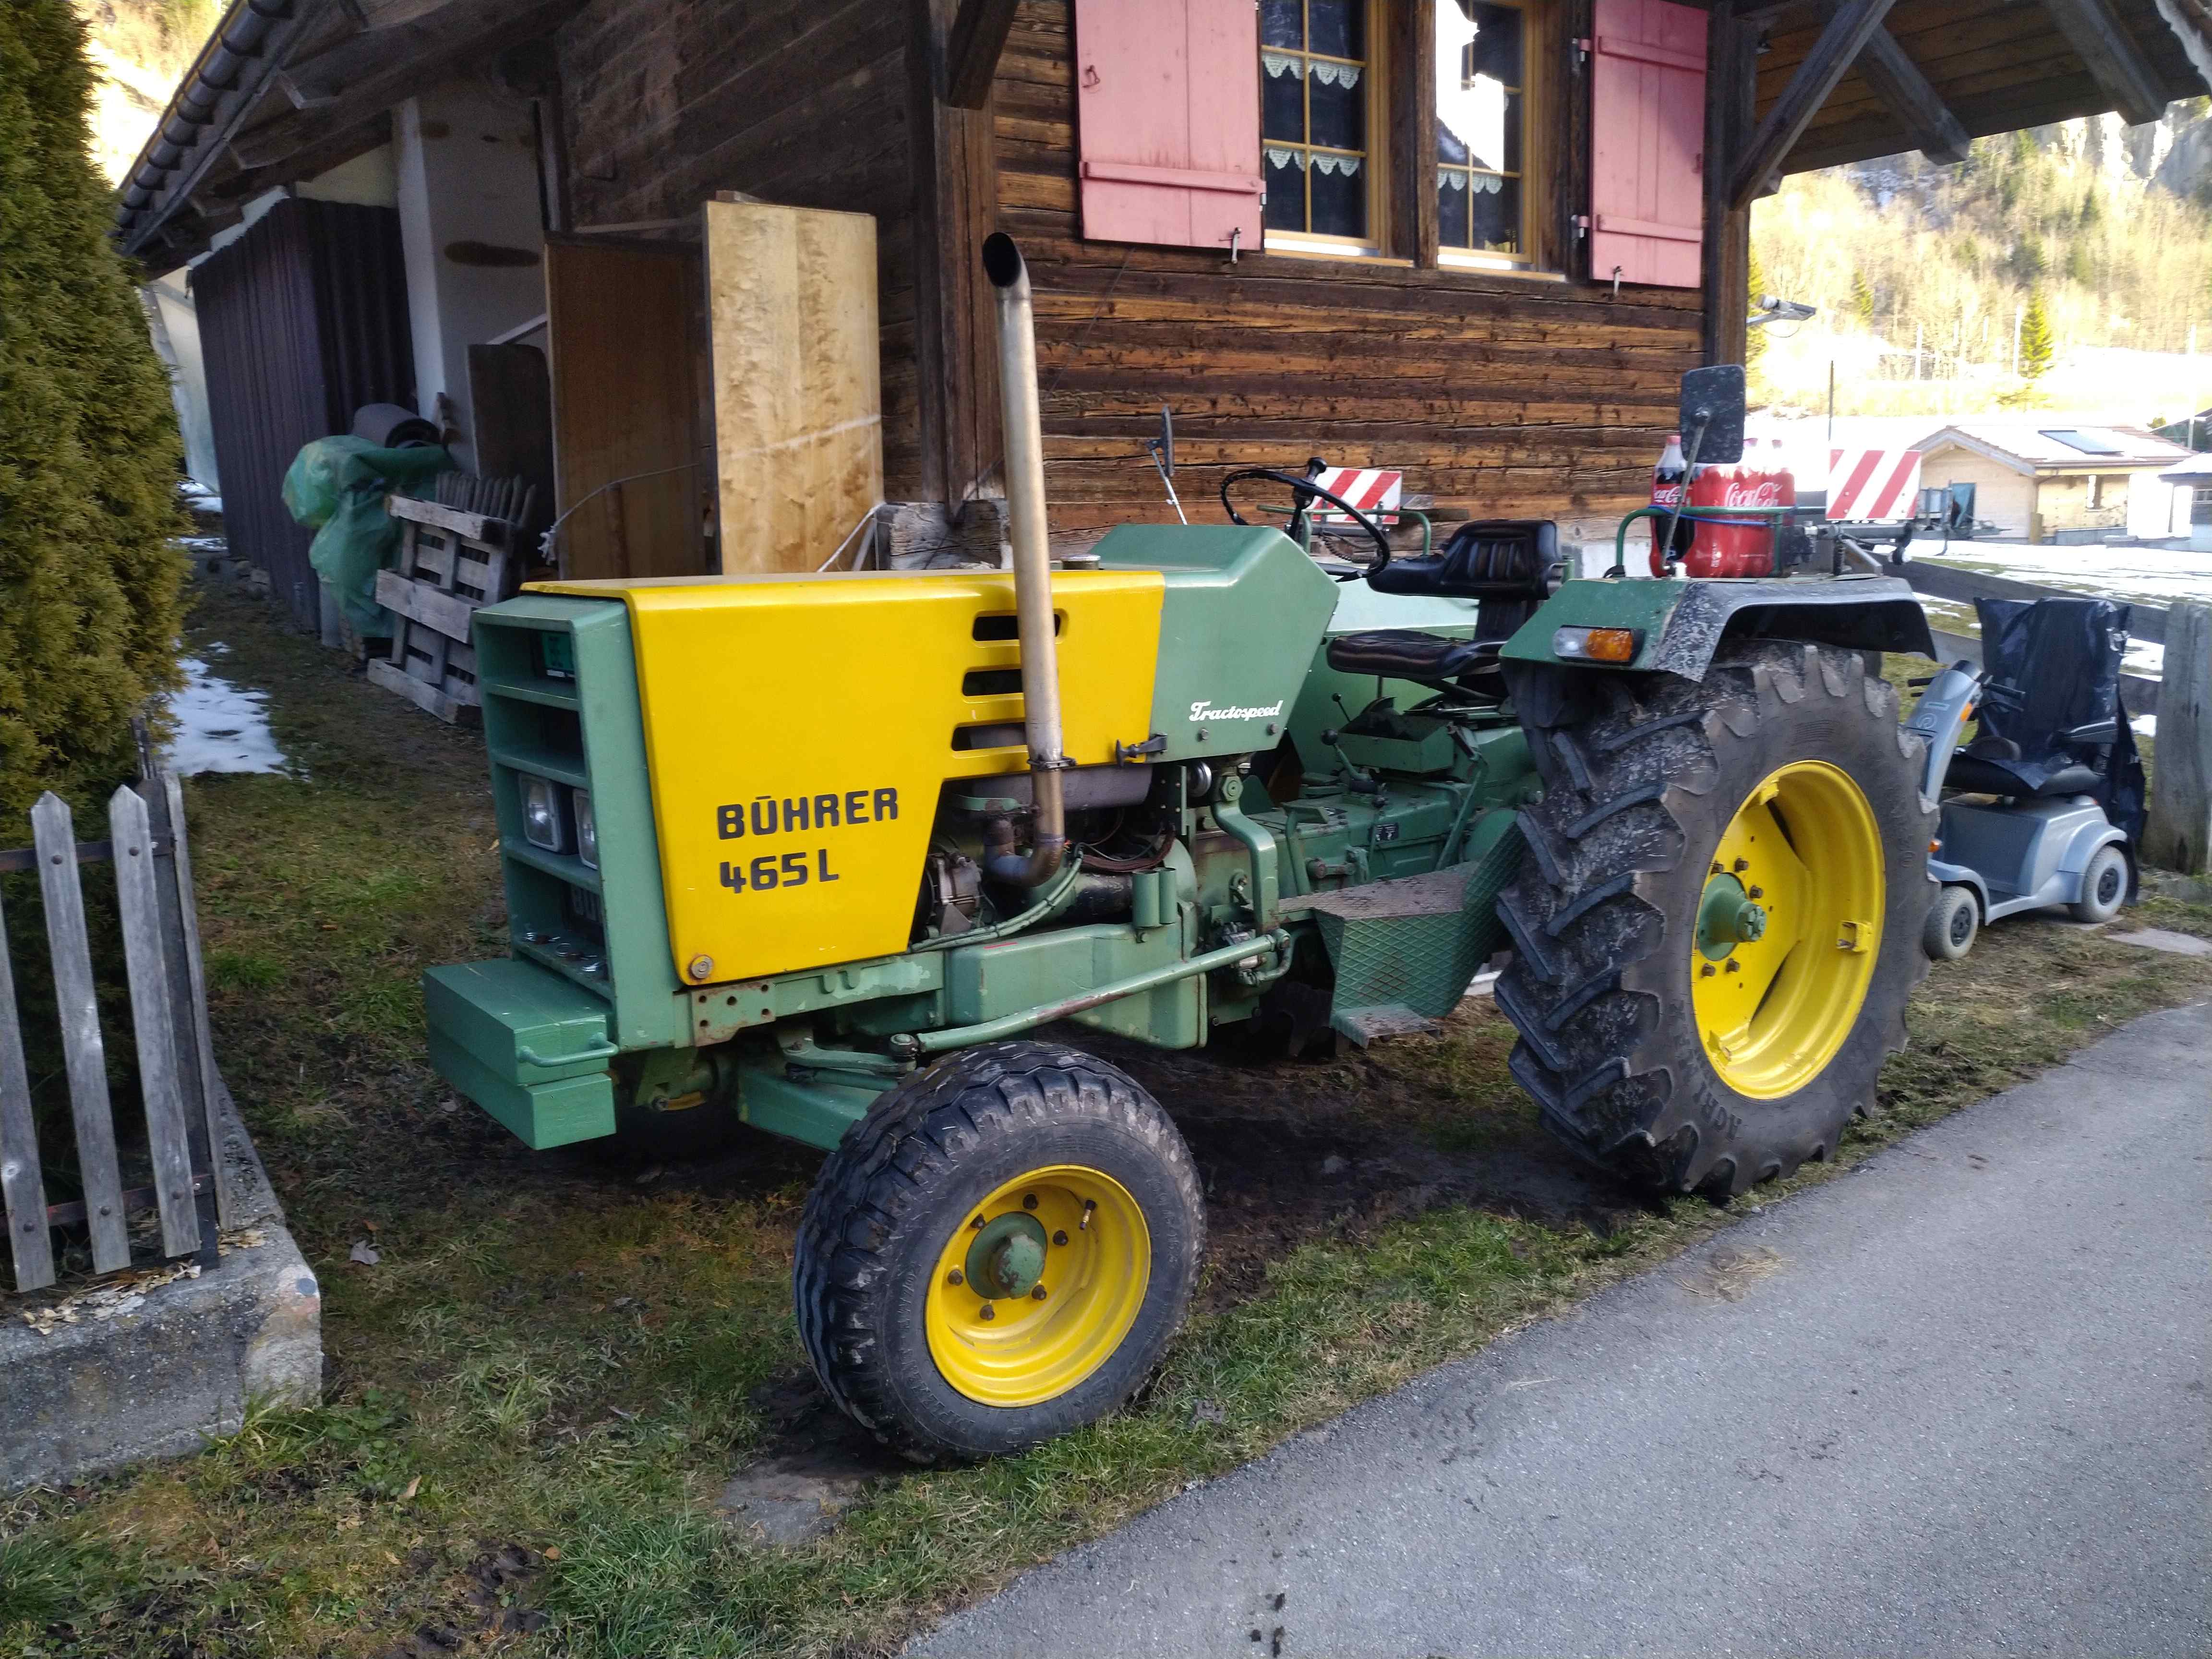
2103 232
140 49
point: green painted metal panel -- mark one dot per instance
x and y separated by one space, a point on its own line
526 1044
816 1112
586 731
1629 603
989 982
1243 613
506 1011
719 1011
1413 946
540 1114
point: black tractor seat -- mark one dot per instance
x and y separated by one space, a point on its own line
1406 653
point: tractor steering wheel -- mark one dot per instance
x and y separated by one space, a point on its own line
1303 489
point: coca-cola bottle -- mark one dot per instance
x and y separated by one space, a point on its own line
1669 492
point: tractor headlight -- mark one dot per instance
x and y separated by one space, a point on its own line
541 813
587 832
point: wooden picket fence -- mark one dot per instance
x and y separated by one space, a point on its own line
168 1026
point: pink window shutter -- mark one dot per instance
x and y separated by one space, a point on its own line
1167 96
1647 143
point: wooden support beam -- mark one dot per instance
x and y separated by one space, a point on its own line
955 180
2103 45
2179 835
1412 50
1840 43
1904 90
972 48
1731 101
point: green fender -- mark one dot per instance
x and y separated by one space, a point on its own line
1679 622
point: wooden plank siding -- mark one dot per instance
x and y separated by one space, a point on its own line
1497 395
798 102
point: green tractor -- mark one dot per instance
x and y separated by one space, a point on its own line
823 852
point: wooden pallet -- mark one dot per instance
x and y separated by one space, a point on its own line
452 563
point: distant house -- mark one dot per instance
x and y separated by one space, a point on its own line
2192 486
2051 483
2190 432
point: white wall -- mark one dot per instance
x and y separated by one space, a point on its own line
467 180
2151 507
370 180
174 323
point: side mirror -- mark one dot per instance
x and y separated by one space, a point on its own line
1163 447
1712 412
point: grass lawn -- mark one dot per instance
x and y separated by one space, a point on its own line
538 1393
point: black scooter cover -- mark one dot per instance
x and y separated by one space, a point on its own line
2061 661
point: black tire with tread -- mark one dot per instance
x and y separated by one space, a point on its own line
1642 777
902 1180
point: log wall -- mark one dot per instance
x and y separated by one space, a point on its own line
1498 395
799 102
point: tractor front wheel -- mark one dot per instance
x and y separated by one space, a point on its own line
1720 915
999 1252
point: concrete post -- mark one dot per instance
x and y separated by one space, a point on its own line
2179 834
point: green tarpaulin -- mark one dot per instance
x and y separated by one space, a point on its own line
337 487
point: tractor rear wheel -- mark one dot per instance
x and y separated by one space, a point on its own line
1720 915
999 1252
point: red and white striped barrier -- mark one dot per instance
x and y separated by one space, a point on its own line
1365 487
1875 484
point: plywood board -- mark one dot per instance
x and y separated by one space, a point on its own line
798 383
619 321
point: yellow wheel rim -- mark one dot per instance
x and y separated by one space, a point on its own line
1073 1233
1788 930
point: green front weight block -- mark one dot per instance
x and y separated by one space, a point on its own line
1727 917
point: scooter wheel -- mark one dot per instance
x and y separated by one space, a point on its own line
2104 886
1953 924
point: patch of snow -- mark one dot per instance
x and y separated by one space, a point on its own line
220 726
197 495
2143 725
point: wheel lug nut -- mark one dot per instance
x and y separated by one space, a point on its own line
955 1276
1028 1201
1740 866
1757 892
1705 972
1037 1294
1060 1237
1734 966
989 1312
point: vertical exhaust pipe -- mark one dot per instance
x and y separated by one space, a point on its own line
1023 422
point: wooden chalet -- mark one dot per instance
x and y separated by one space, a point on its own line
1477 240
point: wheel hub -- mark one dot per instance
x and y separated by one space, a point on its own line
1727 917
1007 1258
1787 929
1037 1284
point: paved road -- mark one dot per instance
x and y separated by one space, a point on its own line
1952 1404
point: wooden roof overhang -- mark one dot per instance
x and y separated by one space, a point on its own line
1840 80
285 89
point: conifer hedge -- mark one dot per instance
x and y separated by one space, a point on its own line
90 574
